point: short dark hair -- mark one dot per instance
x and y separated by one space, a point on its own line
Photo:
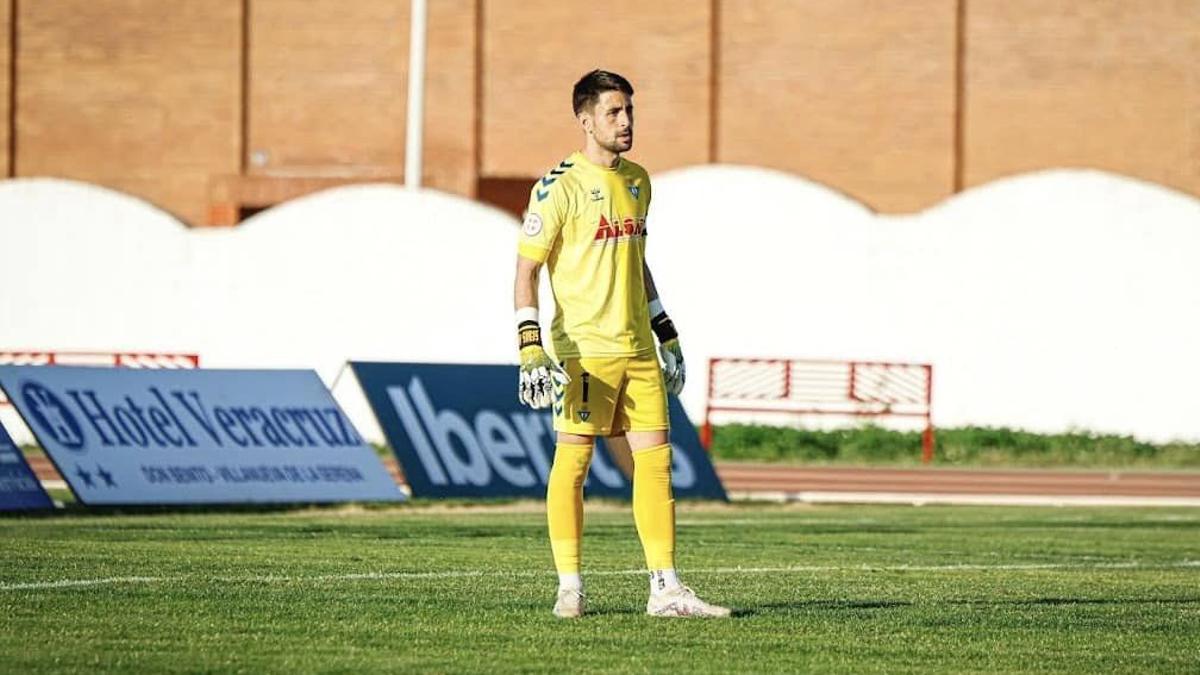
589 87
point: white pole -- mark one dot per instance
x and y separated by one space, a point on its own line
416 95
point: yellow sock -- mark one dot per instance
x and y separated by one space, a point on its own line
564 504
654 505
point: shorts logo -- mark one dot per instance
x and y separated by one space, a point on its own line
586 379
54 418
532 226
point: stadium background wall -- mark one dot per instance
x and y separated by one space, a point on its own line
212 109
1048 301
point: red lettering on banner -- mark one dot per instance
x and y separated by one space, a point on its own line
620 229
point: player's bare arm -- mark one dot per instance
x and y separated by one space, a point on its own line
651 289
539 374
525 293
674 370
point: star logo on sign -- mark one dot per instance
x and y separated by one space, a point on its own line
85 476
105 476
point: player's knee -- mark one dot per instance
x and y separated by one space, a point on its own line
571 462
653 461
567 438
645 441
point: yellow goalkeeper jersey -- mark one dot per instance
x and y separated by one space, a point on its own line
587 223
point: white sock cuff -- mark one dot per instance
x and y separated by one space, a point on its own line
662 581
527 314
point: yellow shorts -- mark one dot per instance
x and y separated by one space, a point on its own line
609 395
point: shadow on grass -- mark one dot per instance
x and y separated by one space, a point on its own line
855 605
866 529
1100 523
1033 602
615 611
77 509
811 605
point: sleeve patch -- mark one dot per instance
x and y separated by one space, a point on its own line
532 226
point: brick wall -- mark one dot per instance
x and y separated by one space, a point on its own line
533 53
138 95
326 86
855 94
195 102
5 86
450 138
1109 84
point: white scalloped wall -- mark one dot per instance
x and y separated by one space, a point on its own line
1046 301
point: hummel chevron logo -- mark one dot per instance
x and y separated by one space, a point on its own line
549 179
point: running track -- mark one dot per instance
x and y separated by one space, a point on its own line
970 486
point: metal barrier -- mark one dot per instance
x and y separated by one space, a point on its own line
821 387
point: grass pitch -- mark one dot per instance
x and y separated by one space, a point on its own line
420 588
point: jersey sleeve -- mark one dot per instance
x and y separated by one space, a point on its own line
649 196
544 220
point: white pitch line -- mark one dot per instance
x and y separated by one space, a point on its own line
461 574
75 583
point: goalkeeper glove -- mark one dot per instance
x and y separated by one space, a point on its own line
673 369
539 375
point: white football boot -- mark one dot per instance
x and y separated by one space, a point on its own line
571 604
681 601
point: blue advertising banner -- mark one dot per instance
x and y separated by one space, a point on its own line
19 487
138 436
459 431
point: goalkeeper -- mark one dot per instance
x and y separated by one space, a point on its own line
586 223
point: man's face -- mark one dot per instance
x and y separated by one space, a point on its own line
610 121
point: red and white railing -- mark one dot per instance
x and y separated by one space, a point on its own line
797 387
